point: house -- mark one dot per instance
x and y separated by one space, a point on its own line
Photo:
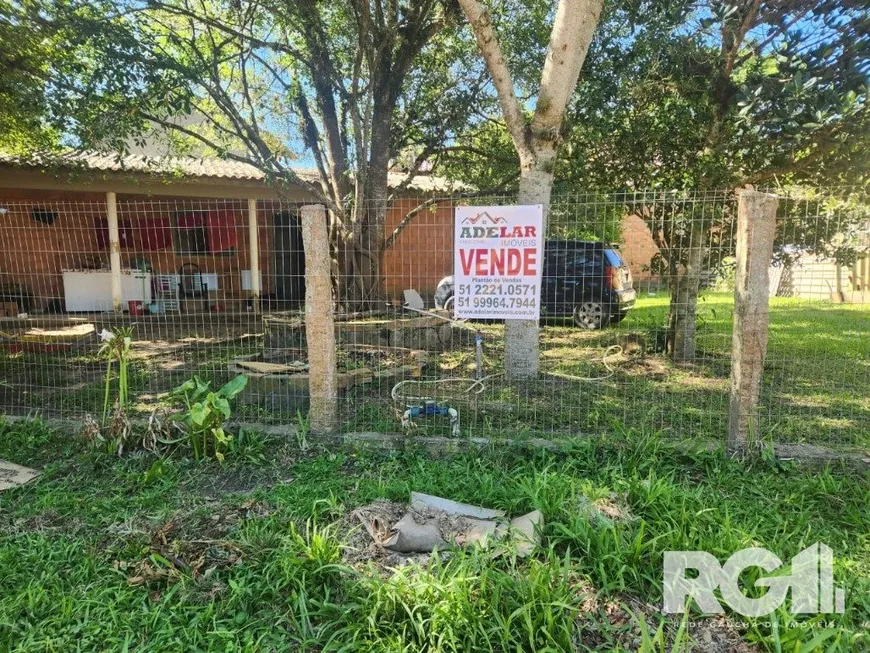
184 228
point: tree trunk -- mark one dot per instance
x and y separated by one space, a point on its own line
357 269
684 301
373 216
360 242
522 356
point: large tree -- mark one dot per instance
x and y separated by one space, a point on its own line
536 137
350 85
31 52
704 97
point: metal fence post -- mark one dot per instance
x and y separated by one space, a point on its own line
756 226
319 322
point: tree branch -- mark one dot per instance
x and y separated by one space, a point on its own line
481 24
743 30
413 213
572 33
227 29
419 160
272 168
758 48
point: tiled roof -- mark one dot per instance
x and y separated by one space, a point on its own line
202 168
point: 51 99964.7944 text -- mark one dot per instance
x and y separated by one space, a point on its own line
497 302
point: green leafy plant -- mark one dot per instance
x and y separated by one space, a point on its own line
113 433
205 413
154 473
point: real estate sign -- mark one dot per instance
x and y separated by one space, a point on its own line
498 259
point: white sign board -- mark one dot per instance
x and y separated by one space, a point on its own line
497 262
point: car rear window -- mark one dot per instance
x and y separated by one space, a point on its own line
613 258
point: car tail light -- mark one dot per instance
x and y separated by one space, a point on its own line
614 281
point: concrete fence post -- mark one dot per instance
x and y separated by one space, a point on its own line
756 226
254 254
319 322
115 252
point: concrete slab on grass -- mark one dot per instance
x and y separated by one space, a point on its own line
12 475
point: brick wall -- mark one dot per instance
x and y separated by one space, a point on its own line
34 254
638 248
423 254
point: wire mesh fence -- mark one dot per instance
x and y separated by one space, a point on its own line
636 300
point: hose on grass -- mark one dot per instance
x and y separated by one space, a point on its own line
477 386
617 349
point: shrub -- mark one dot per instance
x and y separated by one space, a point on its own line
204 415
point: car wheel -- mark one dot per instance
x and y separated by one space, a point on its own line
590 315
443 292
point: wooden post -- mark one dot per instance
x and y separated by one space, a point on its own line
756 226
319 322
254 254
114 252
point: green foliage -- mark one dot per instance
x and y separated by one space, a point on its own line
205 413
678 98
114 433
27 52
682 95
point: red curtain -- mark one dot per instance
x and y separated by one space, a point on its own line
222 231
190 221
156 234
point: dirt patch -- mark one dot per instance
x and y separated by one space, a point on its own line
647 366
44 522
718 635
193 546
359 548
608 509
229 481
697 382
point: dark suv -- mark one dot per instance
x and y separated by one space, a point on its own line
588 281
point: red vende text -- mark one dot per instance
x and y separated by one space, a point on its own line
511 262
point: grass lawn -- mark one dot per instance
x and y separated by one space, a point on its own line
166 554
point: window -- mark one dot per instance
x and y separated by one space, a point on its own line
205 232
582 262
191 233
